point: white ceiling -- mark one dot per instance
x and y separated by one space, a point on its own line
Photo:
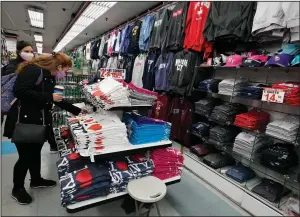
14 17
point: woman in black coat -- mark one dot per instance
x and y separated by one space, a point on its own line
34 89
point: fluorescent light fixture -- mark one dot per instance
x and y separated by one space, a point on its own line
89 15
36 18
39 45
38 38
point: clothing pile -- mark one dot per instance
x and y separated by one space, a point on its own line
291 207
86 181
64 141
251 91
253 120
98 133
292 92
162 107
226 113
231 87
143 130
279 157
218 160
168 163
247 144
240 173
124 170
205 106
201 128
270 190
286 128
222 136
209 85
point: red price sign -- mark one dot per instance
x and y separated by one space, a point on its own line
273 95
112 73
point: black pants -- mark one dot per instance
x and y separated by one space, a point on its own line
29 159
51 138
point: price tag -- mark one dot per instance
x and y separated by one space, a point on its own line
112 73
273 95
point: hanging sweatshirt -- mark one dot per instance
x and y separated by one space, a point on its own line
175 35
88 51
145 33
138 70
134 37
162 70
194 26
103 39
160 29
182 71
116 48
148 75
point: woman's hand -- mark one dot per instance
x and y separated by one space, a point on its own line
57 97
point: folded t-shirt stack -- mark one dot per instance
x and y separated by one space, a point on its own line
231 86
143 130
247 144
291 207
270 190
218 160
209 85
253 120
251 91
240 173
222 136
205 106
201 128
98 133
168 163
124 170
64 141
279 157
202 149
292 92
225 114
286 128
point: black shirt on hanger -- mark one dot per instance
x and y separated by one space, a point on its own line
134 37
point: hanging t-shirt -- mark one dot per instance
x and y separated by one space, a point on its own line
162 70
138 70
125 38
134 37
112 63
148 75
88 51
146 30
103 40
116 48
175 35
127 63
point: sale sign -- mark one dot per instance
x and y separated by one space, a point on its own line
273 95
112 73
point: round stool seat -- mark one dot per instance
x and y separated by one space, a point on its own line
147 189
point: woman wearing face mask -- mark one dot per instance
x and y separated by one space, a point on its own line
34 89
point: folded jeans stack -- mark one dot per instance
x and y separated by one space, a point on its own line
286 128
143 130
168 163
247 144
253 120
209 85
222 136
292 92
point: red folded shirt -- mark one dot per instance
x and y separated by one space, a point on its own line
253 120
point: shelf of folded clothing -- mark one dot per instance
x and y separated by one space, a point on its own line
198 135
97 201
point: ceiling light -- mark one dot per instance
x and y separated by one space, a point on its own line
89 15
38 38
36 18
39 45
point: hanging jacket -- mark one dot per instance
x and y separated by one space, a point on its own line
195 23
103 39
182 71
162 70
125 39
134 37
145 33
232 19
148 75
160 29
176 26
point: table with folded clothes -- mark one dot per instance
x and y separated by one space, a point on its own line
209 85
279 157
231 86
271 190
218 160
253 120
248 144
168 163
221 136
202 149
201 128
252 91
286 129
226 113
240 173
142 130
292 92
205 106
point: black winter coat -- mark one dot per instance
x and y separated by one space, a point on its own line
11 67
33 99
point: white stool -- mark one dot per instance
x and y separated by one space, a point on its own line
147 190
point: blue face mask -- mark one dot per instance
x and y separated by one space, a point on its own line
60 74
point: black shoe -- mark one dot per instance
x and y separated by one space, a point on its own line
21 196
43 183
53 150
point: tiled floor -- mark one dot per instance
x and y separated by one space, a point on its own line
189 197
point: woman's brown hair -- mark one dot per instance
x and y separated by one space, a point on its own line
46 62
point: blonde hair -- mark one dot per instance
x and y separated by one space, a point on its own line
48 62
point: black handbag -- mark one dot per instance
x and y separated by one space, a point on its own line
29 133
